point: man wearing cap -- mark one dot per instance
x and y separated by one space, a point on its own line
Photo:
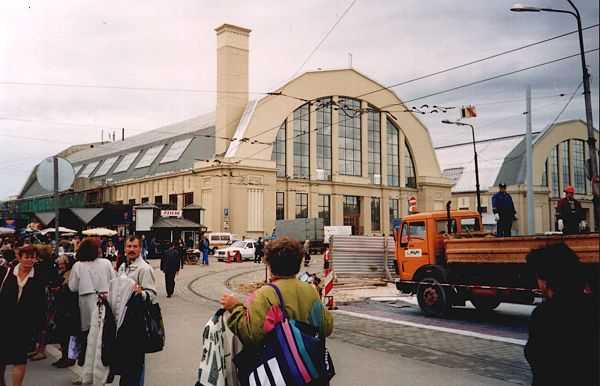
569 213
504 211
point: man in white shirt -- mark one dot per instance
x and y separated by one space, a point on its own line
136 268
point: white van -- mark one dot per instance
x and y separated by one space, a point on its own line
219 239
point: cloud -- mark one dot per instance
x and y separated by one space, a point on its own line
173 45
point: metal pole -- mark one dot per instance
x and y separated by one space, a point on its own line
530 204
587 95
56 202
478 191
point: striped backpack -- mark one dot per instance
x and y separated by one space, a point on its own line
292 354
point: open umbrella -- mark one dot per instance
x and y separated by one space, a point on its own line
99 232
6 231
60 230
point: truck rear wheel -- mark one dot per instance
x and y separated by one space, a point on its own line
432 297
485 303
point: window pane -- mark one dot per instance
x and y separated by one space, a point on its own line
416 230
393 154
105 167
409 168
375 214
279 150
323 120
301 205
393 211
149 156
126 162
554 171
87 171
374 145
176 150
349 137
302 142
280 206
565 178
325 209
579 166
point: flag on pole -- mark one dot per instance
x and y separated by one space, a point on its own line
468 112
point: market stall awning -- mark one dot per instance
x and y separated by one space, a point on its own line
175 223
45 217
86 214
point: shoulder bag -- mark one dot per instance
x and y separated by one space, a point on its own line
292 354
154 327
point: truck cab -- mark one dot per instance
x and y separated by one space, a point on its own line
420 242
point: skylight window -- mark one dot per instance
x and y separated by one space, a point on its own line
89 169
126 162
149 156
453 173
106 165
176 150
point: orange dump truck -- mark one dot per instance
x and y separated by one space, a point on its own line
445 259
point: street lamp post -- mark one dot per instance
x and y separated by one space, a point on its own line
477 190
587 97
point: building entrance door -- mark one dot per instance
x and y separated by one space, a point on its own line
352 213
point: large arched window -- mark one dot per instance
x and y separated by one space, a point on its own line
279 150
323 120
349 137
409 168
302 142
393 155
374 145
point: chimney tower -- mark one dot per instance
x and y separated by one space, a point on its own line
232 81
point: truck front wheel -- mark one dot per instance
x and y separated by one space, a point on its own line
432 297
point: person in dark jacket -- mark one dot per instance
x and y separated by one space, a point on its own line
504 211
170 264
23 305
258 250
67 312
569 213
562 348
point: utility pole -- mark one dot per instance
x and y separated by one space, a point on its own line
530 198
56 202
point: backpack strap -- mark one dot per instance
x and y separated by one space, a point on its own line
281 302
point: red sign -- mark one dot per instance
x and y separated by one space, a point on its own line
412 201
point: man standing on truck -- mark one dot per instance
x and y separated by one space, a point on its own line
504 211
562 348
569 213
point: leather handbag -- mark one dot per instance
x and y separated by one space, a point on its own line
154 327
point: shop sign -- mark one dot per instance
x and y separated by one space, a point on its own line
170 213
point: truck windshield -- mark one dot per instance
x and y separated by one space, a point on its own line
469 224
416 230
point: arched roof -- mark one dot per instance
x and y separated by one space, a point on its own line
268 113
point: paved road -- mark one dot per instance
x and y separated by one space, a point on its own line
365 352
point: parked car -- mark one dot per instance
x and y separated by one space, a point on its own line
244 247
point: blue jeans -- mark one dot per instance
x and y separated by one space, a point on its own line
205 257
135 377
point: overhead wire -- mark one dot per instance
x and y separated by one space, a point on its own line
324 38
475 61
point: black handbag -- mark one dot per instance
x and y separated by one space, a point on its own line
154 327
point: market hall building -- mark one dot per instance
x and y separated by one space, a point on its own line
559 154
331 144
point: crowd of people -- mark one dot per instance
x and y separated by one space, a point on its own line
52 295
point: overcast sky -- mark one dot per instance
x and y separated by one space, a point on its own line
172 44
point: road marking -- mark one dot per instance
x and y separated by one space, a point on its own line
519 342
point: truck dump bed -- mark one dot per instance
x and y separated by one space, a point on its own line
515 249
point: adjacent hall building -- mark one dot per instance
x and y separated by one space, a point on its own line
332 144
559 158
